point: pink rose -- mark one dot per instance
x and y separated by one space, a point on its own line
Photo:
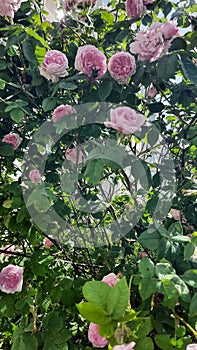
68 5
95 338
12 139
47 242
147 2
176 214
34 175
150 44
125 119
121 66
111 279
152 92
191 347
54 66
90 61
74 155
11 279
61 111
129 346
135 8
169 30
195 62
142 255
9 7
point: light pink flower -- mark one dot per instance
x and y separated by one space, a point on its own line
150 44
69 5
60 111
176 214
125 119
135 8
152 92
129 346
169 30
11 279
147 2
54 65
95 338
195 62
47 242
142 255
34 175
74 155
111 279
121 66
90 61
13 139
9 7
191 347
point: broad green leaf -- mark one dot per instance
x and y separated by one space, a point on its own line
105 89
26 341
167 66
147 287
189 250
190 277
171 294
193 306
145 344
163 341
164 271
150 239
182 288
49 104
146 267
31 32
96 292
118 299
107 330
94 313
17 114
94 171
146 327
189 69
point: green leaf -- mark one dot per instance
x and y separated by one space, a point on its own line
40 53
156 107
67 85
167 66
150 239
170 292
147 287
163 341
32 33
105 89
53 322
145 327
25 341
17 114
146 267
2 84
190 277
96 292
180 239
3 65
118 299
145 344
189 69
107 331
164 271
193 305
49 104
94 313
94 171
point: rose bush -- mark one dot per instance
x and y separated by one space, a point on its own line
108 249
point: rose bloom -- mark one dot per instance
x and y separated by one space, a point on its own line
176 214
147 2
169 30
54 65
13 139
125 119
90 61
111 279
95 338
68 5
61 111
150 44
47 242
129 346
9 7
11 279
135 8
195 62
121 66
34 175
74 155
191 347
152 92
